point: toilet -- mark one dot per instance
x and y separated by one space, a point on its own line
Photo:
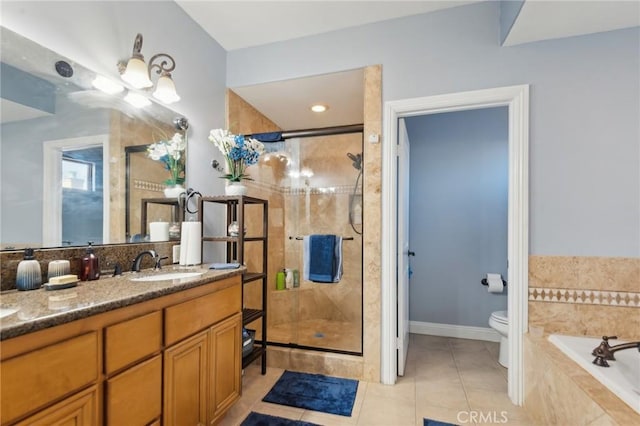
499 321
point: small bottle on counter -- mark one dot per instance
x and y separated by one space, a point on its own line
288 278
28 275
296 278
280 278
90 266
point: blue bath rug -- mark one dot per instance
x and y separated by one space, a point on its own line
429 422
315 392
259 419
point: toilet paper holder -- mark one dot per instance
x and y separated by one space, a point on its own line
485 282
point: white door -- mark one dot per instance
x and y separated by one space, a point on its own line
402 247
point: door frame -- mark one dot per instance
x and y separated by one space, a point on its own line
516 98
52 185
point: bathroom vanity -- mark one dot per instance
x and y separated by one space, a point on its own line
117 351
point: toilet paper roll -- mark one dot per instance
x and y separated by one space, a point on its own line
190 243
495 283
159 231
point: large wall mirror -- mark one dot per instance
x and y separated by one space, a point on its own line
63 152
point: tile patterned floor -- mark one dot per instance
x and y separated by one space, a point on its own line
452 380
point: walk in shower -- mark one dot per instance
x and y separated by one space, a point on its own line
314 186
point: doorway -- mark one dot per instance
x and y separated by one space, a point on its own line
52 194
516 98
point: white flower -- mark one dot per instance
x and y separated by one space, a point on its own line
157 151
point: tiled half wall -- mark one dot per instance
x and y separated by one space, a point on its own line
592 296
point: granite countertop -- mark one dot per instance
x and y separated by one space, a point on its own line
24 312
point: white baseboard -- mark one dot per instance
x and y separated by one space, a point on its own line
459 331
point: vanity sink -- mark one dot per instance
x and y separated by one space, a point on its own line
168 276
5 312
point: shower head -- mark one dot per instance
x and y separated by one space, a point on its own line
357 160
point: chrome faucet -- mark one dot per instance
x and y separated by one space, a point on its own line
135 267
604 352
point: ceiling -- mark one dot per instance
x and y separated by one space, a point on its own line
537 20
240 24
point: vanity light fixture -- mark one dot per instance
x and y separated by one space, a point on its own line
106 85
136 72
319 108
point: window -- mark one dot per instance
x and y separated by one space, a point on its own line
78 174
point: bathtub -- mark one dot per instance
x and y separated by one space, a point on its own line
623 375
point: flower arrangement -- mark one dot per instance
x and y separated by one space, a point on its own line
171 154
239 153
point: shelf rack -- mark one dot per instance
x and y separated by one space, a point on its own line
235 251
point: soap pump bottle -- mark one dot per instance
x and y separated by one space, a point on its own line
28 275
90 268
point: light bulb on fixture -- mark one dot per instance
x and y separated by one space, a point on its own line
107 85
137 100
137 73
319 108
166 90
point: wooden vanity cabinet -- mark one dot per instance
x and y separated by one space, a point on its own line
225 366
185 378
174 360
46 375
202 374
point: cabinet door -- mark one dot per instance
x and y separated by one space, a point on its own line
225 361
185 382
80 409
134 397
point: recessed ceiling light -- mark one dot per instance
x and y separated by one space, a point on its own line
319 108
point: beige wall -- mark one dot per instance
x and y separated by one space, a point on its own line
592 296
149 183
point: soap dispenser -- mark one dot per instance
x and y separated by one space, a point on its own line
90 268
29 275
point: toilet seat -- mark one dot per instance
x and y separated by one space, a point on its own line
500 317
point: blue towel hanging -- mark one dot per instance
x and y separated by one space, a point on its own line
323 258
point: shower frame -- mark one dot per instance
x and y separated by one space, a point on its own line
328 131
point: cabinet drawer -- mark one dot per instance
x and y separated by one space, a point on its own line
134 397
32 380
132 340
80 410
190 317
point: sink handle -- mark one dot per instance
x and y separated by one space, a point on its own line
159 262
117 269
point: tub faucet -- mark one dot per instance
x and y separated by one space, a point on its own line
135 267
604 352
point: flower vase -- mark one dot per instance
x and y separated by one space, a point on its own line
173 191
234 189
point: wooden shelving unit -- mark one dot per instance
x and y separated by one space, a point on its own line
235 251
177 214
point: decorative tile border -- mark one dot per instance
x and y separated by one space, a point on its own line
148 186
340 189
587 297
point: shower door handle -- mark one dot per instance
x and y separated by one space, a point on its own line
411 253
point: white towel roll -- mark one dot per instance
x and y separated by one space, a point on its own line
191 243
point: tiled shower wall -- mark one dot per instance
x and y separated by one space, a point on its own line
592 296
366 367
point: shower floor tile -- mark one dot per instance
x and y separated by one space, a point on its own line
319 333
